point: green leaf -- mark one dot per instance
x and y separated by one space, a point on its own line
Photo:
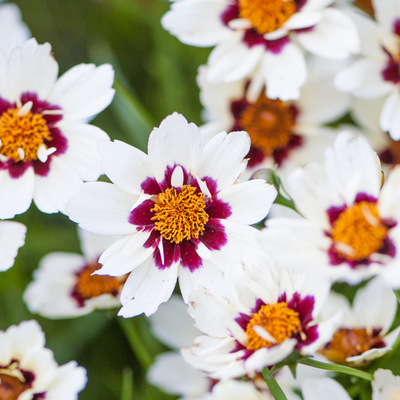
273 385
127 384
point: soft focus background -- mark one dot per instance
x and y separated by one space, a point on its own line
156 75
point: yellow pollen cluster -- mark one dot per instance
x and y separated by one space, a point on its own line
358 232
269 123
280 321
180 216
26 132
89 285
12 383
349 343
266 15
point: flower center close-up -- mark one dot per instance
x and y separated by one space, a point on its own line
22 133
88 285
12 382
349 343
266 15
269 123
358 232
180 216
278 320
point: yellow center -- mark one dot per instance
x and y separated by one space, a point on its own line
266 15
358 232
280 321
181 215
349 343
26 132
89 285
269 123
12 383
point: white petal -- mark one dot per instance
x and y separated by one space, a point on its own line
101 207
146 288
17 193
323 388
53 190
125 165
222 158
335 36
84 91
12 237
284 72
390 116
175 142
249 201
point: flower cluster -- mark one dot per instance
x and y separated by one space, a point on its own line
263 245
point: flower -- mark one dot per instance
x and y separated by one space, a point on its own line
180 209
13 32
361 336
315 389
28 370
376 74
266 35
259 323
64 285
350 225
47 148
286 133
12 237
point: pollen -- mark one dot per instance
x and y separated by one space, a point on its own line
88 285
22 133
180 216
266 15
349 343
278 320
269 123
358 232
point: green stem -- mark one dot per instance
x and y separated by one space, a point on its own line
139 348
337 368
273 385
283 201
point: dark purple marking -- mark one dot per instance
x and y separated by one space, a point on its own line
142 214
391 72
230 13
396 27
280 155
218 209
171 255
150 186
303 306
189 258
214 237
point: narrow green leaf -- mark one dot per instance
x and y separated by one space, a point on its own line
273 385
337 368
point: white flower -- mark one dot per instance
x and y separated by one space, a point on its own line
286 133
362 335
46 147
260 323
385 385
64 285
179 208
267 35
351 226
376 74
28 370
12 237
13 32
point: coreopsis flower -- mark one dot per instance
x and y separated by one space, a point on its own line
259 323
28 370
180 209
385 385
362 335
283 133
13 32
270 36
65 285
12 237
46 147
376 74
350 227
